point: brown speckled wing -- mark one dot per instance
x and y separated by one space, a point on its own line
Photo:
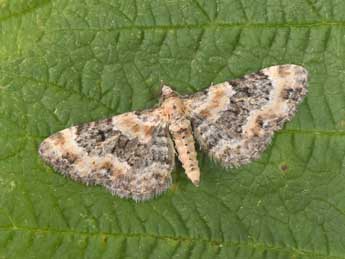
234 121
131 154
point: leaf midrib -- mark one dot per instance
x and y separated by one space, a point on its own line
25 11
211 25
213 243
166 27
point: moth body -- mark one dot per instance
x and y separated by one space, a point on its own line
174 113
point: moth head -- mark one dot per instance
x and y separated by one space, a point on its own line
171 103
166 93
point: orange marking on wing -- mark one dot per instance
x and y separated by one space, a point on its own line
71 157
106 165
219 93
58 139
127 121
117 173
148 130
135 128
284 71
205 113
216 99
284 94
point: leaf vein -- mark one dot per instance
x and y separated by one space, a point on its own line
217 25
186 240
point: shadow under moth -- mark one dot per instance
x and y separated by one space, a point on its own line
133 154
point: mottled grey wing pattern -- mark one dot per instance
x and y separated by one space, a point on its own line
234 121
131 154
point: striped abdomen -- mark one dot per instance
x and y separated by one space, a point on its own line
181 132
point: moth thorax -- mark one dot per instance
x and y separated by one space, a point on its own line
173 108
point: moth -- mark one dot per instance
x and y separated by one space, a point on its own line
133 154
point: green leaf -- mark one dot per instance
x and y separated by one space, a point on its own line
66 62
